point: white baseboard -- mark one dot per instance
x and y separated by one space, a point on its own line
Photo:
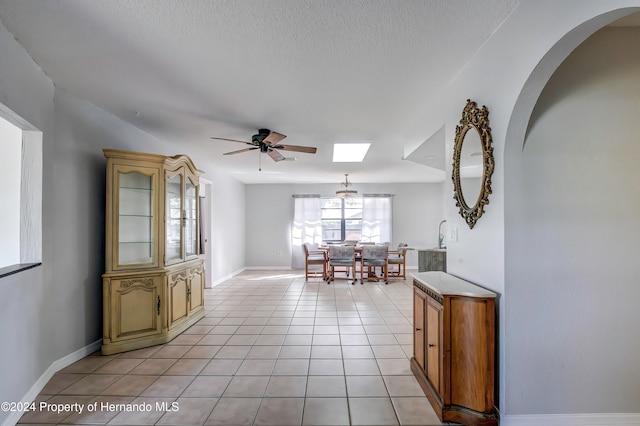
593 419
250 268
271 268
226 277
56 366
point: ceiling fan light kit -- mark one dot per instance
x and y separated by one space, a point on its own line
346 192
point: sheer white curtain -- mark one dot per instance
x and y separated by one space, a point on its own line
306 228
376 218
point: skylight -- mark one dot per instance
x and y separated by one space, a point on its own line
349 152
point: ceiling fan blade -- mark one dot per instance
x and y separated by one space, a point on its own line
231 140
240 150
275 155
307 149
274 138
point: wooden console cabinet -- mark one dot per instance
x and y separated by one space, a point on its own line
153 285
454 347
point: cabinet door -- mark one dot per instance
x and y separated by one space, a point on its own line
178 290
422 260
134 226
190 215
472 356
435 349
173 216
196 288
433 261
135 307
419 331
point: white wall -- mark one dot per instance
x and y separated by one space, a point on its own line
52 311
573 288
227 226
26 91
417 211
226 197
507 75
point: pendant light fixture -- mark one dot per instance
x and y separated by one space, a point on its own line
346 192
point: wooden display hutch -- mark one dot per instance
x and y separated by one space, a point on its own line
153 285
454 347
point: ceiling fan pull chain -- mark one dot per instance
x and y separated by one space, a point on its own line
259 161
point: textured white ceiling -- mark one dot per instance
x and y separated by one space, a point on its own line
319 71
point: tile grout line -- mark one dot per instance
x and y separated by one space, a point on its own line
345 302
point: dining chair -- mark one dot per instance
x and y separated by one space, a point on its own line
398 258
314 256
372 257
342 257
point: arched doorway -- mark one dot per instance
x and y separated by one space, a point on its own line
570 228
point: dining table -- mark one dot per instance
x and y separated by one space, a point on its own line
357 248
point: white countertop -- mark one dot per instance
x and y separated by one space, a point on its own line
448 285
430 249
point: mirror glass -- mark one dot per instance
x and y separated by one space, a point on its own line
471 166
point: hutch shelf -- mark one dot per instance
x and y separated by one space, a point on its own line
153 285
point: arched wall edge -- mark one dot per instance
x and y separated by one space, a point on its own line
531 43
595 17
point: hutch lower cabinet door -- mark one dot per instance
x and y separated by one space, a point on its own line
153 285
143 309
133 309
454 347
195 292
178 308
186 290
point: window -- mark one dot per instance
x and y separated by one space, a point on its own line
11 138
341 219
306 227
377 223
21 193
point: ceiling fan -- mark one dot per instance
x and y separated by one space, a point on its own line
268 142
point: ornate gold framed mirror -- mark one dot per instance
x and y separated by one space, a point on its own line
473 162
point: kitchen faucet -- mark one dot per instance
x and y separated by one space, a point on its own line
441 243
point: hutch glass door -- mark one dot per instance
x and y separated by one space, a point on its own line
173 250
135 219
191 220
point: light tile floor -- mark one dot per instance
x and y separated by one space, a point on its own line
271 350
